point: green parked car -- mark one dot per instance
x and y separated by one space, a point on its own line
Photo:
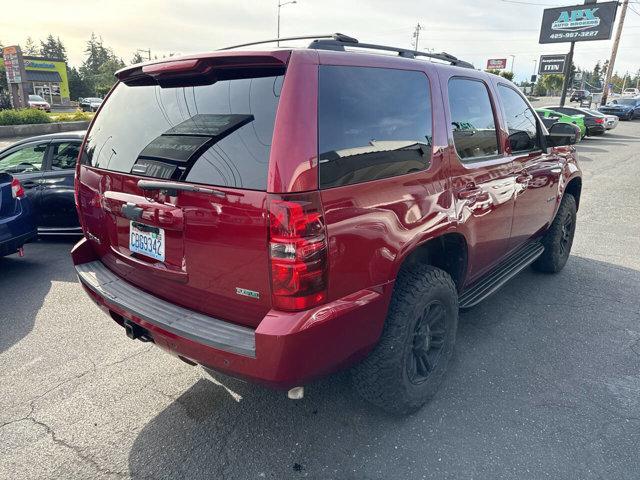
549 117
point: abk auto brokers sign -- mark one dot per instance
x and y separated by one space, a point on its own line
578 23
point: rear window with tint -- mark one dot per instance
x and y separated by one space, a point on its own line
217 134
474 129
373 123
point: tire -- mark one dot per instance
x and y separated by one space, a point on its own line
422 321
558 240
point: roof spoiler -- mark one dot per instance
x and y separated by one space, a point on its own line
200 66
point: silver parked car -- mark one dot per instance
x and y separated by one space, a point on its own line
90 104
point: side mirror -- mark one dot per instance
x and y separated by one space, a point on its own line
519 141
561 134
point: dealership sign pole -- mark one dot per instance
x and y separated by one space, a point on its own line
579 23
16 76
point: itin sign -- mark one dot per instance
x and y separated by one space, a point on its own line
578 23
550 64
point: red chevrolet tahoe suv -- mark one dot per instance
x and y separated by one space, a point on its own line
279 215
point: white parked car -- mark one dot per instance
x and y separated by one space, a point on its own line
631 92
610 122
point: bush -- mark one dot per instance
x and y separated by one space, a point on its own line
24 116
77 116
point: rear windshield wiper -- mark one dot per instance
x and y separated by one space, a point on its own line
172 188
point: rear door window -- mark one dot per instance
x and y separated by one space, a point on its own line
373 123
472 120
64 155
217 134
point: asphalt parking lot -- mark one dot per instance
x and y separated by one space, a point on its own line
545 382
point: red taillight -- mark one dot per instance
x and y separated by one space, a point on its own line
599 120
17 191
298 251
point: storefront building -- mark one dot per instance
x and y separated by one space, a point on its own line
46 77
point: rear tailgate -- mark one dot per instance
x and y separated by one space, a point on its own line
200 239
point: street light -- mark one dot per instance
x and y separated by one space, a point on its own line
280 5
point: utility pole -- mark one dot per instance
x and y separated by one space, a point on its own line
513 59
567 74
614 52
147 51
416 35
569 64
280 5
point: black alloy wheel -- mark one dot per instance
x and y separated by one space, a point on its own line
428 340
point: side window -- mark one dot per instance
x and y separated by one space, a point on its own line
373 123
24 160
521 121
64 155
472 120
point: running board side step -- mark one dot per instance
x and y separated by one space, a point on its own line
496 278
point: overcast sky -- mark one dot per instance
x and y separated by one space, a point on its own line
474 30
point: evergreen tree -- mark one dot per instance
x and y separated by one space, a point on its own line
62 51
97 54
97 70
105 78
30 48
78 87
53 48
137 58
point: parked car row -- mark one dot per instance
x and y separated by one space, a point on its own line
592 122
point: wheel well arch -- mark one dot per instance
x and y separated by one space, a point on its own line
574 188
448 252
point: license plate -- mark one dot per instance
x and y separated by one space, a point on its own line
146 240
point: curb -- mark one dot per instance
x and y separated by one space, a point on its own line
7 131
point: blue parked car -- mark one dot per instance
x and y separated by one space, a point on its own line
625 108
17 224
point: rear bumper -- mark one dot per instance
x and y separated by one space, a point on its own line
595 129
7 247
287 349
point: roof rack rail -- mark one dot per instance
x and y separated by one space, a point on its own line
333 36
337 41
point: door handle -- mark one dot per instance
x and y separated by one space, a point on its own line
556 170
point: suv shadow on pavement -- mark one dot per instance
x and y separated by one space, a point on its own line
549 366
25 282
